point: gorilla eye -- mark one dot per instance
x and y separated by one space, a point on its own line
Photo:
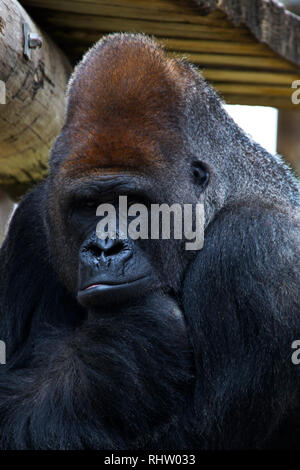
90 204
86 206
200 174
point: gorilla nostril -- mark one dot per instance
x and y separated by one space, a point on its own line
105 248
95 250
113 248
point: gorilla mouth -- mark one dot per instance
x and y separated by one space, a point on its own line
112 283
109 291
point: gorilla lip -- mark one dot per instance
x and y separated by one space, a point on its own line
111 283
108 291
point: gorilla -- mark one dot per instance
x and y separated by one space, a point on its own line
141 344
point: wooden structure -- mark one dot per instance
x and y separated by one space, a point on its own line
33 94
244 70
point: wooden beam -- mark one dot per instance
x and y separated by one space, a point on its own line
34 109
157 10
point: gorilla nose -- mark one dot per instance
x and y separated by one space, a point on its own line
106 248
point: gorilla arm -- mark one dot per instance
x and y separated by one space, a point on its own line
120 381
30 292
242 306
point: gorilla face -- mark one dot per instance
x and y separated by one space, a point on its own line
101 267
112 271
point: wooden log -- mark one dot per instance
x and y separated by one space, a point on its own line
34 109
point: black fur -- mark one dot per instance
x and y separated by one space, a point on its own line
115 381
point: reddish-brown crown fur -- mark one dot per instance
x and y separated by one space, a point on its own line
124 98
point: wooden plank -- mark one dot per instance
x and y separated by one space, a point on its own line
257 100
253 89
173 29
252 48
250 77
238 61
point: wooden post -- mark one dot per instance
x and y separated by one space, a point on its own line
288 141
34 100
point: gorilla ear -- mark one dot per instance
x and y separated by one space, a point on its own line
200 174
